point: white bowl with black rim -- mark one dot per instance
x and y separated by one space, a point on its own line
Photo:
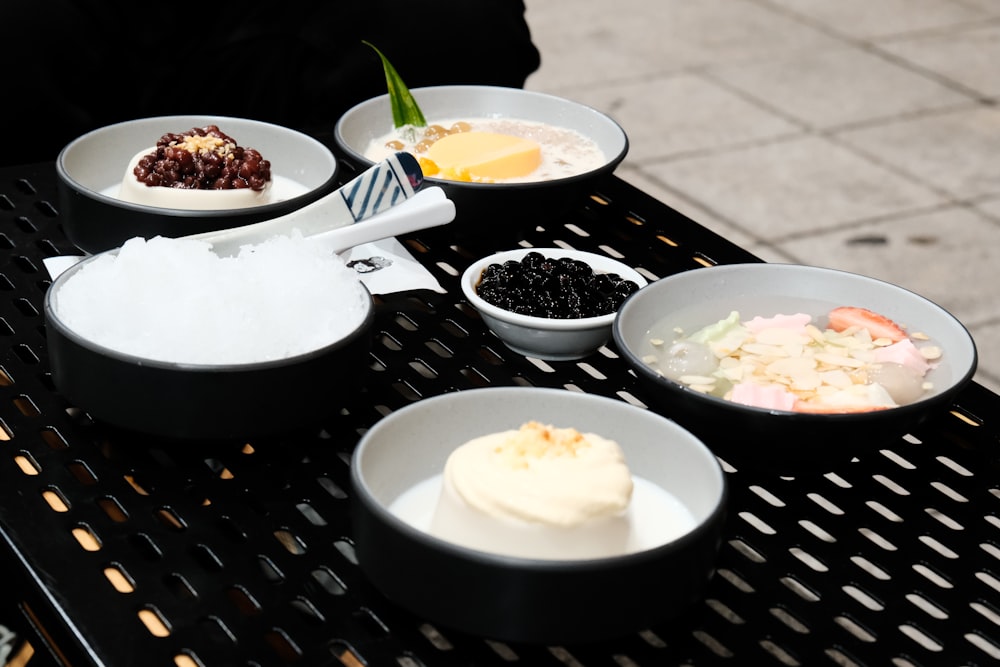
524 599
493 209
778 438
90 170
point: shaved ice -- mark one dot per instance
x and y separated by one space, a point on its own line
174 300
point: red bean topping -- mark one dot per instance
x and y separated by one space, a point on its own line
203 159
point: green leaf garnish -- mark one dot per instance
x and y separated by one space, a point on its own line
405 110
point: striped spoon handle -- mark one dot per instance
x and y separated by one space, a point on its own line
377 189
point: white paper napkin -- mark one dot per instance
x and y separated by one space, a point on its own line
386 266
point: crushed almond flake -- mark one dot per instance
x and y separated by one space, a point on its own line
197 144
535 440
810 363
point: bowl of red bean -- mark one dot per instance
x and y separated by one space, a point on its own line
175 176
553 304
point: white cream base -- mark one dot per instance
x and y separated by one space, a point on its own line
458 522
654 517
131 190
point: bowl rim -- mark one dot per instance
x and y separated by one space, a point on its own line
471 276
53 320
609 164
635 361
66 176
488 558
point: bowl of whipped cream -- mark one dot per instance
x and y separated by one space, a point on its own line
536 515
503 155
803 365
181 175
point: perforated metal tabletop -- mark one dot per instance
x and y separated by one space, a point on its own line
124 550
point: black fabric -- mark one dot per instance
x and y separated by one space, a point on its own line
75 65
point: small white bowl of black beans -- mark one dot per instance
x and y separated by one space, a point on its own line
554 304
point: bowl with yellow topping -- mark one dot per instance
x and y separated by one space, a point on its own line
536 515
500 153
817 364
175 176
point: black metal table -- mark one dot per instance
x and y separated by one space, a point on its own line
123 550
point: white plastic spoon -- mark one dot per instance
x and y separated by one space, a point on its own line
428 208
380 189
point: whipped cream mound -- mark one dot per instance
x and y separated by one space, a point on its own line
136 192
537 492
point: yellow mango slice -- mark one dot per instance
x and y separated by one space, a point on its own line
484 157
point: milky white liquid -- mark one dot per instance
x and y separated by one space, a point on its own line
655 515
565 152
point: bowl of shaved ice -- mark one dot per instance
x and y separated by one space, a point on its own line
807 360
163 337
